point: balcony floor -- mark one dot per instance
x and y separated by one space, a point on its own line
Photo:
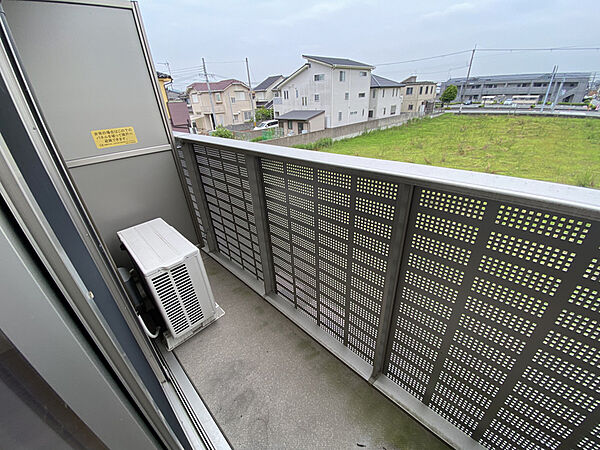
269 385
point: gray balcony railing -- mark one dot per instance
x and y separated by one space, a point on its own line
471 300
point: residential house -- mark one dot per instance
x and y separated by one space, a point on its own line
302 121
416 94
179 116
566 87
163 81
337 86
263 93
385 98
228 103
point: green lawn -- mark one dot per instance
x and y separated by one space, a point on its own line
563 150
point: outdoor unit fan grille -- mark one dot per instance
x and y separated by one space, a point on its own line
177 294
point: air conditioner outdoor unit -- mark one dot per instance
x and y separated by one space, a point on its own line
174 273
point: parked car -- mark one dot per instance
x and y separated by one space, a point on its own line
468 102
266 124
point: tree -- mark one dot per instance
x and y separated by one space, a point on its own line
263 114
223 132
449 94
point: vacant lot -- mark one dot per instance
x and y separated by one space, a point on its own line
557 149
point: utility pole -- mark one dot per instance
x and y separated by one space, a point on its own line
549 86
558 93
467 79
213 119
250 86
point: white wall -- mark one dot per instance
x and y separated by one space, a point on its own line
381 101
354 85
331 93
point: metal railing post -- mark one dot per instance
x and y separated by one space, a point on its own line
191 164
261 221
401 215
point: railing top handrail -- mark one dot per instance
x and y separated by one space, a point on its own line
564 198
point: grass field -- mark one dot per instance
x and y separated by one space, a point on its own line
562 150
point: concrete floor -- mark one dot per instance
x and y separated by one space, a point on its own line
269 385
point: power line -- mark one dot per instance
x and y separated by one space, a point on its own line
571 48
423 59
546 49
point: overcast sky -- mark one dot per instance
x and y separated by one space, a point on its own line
274 35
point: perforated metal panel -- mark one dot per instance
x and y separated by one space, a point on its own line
494 323
225 180
496 320
188 180
330 235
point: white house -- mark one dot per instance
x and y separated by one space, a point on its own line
338 86
385 98
263 93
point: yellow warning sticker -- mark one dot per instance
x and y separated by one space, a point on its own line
113 137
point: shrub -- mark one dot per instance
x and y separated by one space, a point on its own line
263 114
256 139
223 132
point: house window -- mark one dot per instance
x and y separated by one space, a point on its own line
236 117
410 107
240 95
392 110
420 90
409 91
374 93
347 96
319 77
426 89
304 101
339 116
363 112
232 99
275 93
247 115
296 93
194 98
384 111
286 95
218 97
353 113
370 114
317 97
362 73
361 95
342 75
290 125
382 93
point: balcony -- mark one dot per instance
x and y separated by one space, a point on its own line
368 303
467 299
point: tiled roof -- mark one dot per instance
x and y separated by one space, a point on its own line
267 82
300 114
380 82
217 86
337 61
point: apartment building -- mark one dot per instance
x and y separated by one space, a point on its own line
231 104
416 94
385 98
263 92
337 86
567 86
